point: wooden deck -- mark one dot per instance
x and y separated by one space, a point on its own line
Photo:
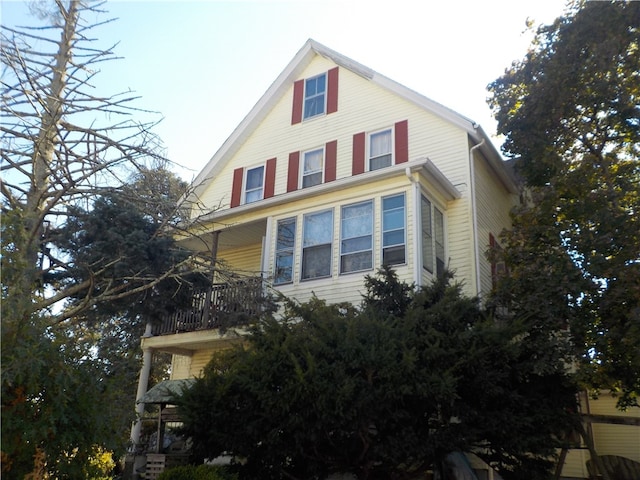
222 306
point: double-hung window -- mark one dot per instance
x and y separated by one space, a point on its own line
438 227
315 89
285 247
254 184
393 230
427 235
312 168
380 149
356 237
432 237
317 232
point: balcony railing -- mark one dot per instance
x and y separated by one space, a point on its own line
224 305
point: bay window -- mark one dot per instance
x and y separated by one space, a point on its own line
285 247
393 230
317 231
356 244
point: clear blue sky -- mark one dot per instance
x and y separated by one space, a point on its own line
204 64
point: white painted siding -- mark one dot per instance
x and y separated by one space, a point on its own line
608 439
245 260
180 367
429 136
493 206
199 361
622 440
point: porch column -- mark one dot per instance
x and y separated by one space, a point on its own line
143 382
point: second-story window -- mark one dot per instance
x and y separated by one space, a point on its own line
317 232
438 221
285 245
315 95
356 237
393 230
312 169
380 149
253 184
432 238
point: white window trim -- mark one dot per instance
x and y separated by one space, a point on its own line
405 243
301 169
368 146
294 250
373 234
435 205
244 182
326 94
331 244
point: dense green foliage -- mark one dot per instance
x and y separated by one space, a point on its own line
57 378
200 472
385 391
569 113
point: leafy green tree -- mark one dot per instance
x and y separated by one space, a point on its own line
569 113
382 393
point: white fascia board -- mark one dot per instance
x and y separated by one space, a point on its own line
439 181
496 162
259 111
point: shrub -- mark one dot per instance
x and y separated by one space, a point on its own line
199 472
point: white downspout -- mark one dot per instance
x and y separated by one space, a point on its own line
474 215
417 243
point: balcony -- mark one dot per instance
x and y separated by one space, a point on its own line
222 306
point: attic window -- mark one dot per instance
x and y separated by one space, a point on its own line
315 89
315 96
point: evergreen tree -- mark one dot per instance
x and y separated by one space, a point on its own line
382 393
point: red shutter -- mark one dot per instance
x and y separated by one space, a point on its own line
236 188
292 175
298 100
332 90
270 178
330 153
358 153
402 142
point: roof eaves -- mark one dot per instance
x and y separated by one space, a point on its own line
259 111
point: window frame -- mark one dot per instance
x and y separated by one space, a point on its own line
322 167
245 179
306 97
383 229
343 255
437 237
316 246
391 153
439 241
289 251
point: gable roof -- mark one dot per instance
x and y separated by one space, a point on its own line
292 72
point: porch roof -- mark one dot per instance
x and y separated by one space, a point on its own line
166 391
